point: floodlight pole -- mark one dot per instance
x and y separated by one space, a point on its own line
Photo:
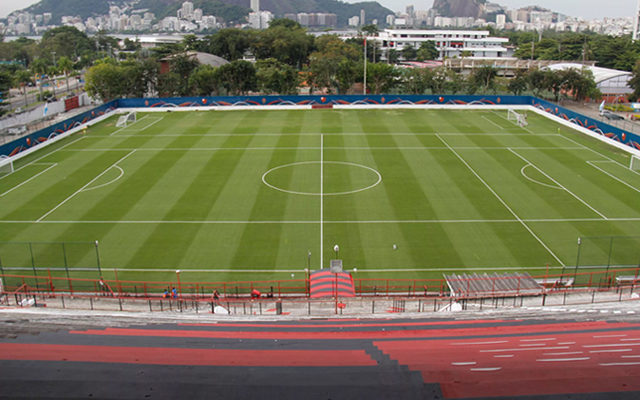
98 259
575 274
336 249
179 284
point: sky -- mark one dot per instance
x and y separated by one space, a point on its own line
588 9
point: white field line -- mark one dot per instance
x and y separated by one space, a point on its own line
504 204
523 127
125 127
591 346
82 188
151 124
566 353
321 201
613 176
329 134
535 181
498 221
619 364
318 148
46 155
563 359
594 151
28 180
491 369
611 351
108 183
559 184
537 340
460 364
487 119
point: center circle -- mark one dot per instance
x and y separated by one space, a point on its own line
326 178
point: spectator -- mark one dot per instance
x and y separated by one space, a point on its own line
174 293
166 294
255 294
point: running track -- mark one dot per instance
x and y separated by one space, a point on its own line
329 359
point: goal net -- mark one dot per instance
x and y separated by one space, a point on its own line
517 118
125 120
635 163
6 166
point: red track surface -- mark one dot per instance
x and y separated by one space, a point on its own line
177 356
543 364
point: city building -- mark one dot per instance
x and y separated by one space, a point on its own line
636 23
353 21
260 20
450 44
255 5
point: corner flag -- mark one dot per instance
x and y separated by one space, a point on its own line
601 109
46 108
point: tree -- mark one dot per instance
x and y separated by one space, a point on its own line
427 51
38 68
230 43
291 46
634 83
370 30
348 73
66 67
104 80
238 77
5 85
536 81
381 77
409 53
203 81
183 65
326 63
438 83
518 85
23 78
273 76
484 78
392 56
416 80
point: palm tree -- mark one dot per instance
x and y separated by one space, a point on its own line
39 67
23 77
53 71
66 67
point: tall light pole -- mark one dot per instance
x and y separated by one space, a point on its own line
53 53
308 273
364 92
336 249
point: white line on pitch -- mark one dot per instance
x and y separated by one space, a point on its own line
28 180
610 351
487 119
459 364
533 345
566 353
82 188
493 369
614 177
536 340
125 127
507 119
558 183
151 124
619 364
590 346
503 356
318 148
503 203
564 359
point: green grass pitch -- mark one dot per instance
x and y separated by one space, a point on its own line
245 195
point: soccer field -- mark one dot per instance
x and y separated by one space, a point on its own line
245 195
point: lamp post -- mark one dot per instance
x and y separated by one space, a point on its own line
308 272
53 53
336 248
179 285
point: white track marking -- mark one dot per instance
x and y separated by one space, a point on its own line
559 184
493 369
563 359
504 356
108 183
82 188
565 343
591 346
630 340
536 340
533 345
487 119
125 127
535 181
321 201
606 336
566 353
630 356
28 180
503 203
529 349
459 364
610 351
477 343
613 176
619 364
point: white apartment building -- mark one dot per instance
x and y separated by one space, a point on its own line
449 43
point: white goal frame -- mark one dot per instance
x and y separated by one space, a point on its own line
124 120
634 165
517 118
6 166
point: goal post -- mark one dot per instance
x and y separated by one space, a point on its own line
517 118
635 163
125 120
6 166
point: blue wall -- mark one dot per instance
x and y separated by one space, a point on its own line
612 132
42 135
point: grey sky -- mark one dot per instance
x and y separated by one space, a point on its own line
587 9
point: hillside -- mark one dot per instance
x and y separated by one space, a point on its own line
460 8
229 10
